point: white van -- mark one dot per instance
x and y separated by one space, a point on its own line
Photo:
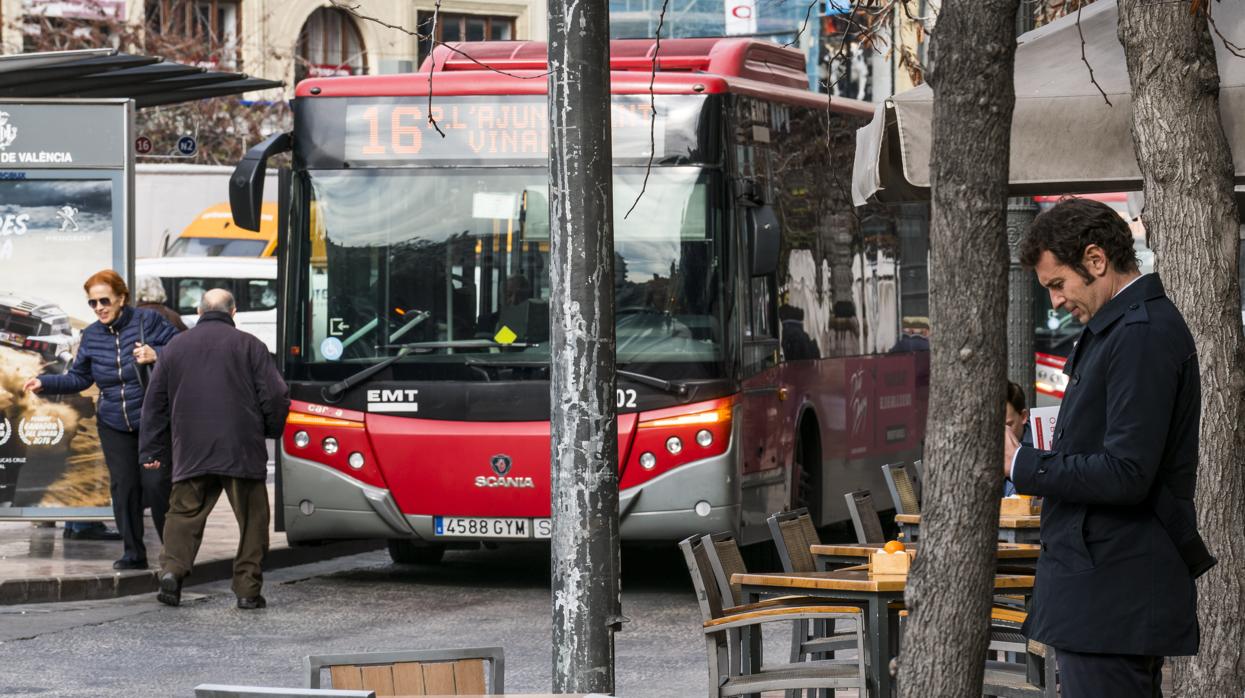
252 280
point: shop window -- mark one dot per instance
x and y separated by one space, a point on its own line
459 27
330 45
213 26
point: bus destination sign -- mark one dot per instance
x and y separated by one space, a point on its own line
490 128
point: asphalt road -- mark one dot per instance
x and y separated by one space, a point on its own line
135 647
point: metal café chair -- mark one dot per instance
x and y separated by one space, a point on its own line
794 535
865 517
903 491
729 675
416 672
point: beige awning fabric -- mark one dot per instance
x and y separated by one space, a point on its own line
1065 138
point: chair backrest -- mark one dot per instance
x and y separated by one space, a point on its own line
213 690
793 533
725 560
418 672
864 517
708 595
918 479
903 493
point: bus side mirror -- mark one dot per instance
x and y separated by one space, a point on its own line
246 185
764 240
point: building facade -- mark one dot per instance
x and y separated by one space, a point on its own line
279 39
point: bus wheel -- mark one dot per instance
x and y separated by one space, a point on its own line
405 552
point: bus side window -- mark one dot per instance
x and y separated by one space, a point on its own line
761 332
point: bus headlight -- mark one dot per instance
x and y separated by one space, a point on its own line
301 439
330 445
704 437
356 460
648 461
674 445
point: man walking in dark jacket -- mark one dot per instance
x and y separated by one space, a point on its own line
214 397
1114 591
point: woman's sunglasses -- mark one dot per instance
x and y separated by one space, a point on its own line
93 302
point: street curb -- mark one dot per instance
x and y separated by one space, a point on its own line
117 584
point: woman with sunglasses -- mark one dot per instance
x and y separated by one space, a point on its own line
109 356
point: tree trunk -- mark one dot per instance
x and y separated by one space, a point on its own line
1193 228
949 589
583 424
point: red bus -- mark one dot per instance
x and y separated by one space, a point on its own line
772 342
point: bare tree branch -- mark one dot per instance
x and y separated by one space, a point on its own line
808 13
1085 60
353 10
432 69
652 117
1233 48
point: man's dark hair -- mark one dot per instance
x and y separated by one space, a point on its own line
1074 224
1016 397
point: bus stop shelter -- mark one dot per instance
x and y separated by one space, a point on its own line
108 73
1066 138
67 162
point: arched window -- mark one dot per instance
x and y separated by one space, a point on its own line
329 45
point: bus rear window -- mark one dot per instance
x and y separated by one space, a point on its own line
216 247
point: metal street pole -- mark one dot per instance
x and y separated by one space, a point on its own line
584 428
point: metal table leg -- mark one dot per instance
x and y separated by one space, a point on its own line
879 642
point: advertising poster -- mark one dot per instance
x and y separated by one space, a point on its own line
66 182
54 233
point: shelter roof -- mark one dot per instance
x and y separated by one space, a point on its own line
108 73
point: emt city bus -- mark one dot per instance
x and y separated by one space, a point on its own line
772 342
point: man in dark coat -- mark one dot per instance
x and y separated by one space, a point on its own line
214 397
1113 594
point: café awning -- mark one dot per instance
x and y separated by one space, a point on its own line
1065 138
107 73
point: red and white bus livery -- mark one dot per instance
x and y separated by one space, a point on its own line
772 342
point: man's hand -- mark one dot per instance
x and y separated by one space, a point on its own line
33 385
1010 445
144 354
153 465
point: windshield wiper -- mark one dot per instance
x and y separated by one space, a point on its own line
671 387
333 392
679 389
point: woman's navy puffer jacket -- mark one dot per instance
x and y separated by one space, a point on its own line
106 358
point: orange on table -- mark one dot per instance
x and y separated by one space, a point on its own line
893 546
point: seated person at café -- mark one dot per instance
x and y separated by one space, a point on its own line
1017 421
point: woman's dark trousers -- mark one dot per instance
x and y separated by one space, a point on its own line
134 488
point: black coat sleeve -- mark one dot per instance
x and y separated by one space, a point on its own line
270 390
155 440
1143 376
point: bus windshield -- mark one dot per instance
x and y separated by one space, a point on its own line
454 263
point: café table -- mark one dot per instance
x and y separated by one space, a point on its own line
833 555
1012 529
880 597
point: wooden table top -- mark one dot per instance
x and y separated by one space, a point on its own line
1007 551
1034 521
854 579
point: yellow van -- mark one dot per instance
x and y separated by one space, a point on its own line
213 234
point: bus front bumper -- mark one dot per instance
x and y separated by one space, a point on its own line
322 503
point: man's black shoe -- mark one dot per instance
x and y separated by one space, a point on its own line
170 589
124 564
250 603
92 534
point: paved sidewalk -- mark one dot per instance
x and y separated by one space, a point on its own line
39 565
